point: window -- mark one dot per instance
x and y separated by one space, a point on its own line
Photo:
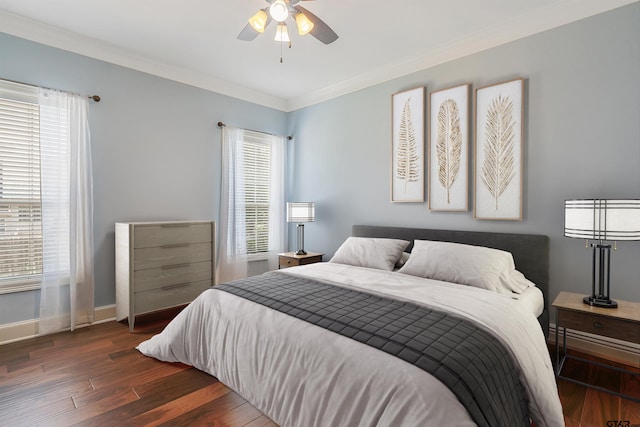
252 206
257 179
34 186
20 202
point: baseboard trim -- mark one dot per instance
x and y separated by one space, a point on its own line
19 331
604 347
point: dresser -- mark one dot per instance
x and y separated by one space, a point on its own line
161 265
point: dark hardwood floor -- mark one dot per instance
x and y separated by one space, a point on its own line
95 377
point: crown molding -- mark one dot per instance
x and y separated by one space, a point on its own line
545 18
552 16
39 32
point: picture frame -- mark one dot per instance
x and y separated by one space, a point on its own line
448 149
407 145
498 152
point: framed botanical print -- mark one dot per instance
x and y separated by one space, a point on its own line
407 146
498 151
448 149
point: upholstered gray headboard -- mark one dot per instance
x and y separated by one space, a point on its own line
530 251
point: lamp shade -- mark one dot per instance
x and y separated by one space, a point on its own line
282 35
304 24
259 21
301 212
602 219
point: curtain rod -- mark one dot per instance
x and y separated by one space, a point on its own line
221 125
95 98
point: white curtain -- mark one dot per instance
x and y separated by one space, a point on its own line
233 261
277 211
66 291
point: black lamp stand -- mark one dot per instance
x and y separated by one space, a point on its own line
301 250
601 271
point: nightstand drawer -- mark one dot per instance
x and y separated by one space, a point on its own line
284 262
599 325
290 259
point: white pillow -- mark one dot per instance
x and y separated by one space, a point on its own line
370 252
486 268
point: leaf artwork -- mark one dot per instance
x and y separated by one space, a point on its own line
449 144
498 166
407 161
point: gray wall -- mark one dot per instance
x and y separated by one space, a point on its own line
156 147
582 140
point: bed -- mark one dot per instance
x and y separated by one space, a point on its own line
261 337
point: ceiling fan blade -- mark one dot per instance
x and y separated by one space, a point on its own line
248 33
320 30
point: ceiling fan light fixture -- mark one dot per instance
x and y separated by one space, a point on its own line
282 34
279 10
259 21
304 24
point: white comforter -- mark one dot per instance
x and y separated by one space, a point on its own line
302 375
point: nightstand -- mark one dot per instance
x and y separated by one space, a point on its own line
621 323
290 259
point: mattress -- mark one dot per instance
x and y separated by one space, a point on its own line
299 374
530 300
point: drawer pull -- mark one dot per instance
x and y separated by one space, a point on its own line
168 267
175 245
179 285
171 225
598 325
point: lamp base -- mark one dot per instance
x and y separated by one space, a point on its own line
301 252
600 301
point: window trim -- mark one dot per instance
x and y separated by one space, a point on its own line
20 284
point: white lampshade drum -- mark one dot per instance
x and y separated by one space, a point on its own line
602 220
301 212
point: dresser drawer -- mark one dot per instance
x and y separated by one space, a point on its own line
179 253
600 325
171 234
170 296
170 275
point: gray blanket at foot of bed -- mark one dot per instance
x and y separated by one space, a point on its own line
469 360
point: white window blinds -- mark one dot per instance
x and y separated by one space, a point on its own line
20 201
252 217
257 179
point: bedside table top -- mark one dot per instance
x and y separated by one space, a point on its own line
627 310
307 255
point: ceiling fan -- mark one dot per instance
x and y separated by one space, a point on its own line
279 11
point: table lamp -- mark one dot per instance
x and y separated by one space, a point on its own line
301 212
601 220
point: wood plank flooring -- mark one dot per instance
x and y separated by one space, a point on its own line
586 407
95 377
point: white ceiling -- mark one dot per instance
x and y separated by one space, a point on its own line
195 41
